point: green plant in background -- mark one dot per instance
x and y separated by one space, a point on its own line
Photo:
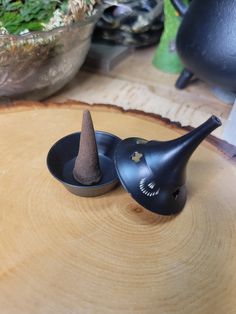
18 16
31 15
22 57
166 57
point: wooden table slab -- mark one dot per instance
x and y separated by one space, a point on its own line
62 254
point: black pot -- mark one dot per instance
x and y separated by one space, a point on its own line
206 42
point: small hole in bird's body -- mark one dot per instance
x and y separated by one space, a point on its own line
176 194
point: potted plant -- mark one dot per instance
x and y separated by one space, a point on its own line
43 43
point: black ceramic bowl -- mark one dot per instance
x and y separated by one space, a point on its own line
61 160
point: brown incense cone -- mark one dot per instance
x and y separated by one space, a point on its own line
87 169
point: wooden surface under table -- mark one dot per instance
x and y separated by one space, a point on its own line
62 254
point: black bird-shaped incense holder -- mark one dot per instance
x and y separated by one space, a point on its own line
154 172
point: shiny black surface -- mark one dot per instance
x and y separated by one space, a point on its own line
154 172
61 159
206 40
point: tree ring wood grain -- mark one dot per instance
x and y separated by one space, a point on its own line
65 254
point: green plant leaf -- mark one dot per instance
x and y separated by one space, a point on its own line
18 15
